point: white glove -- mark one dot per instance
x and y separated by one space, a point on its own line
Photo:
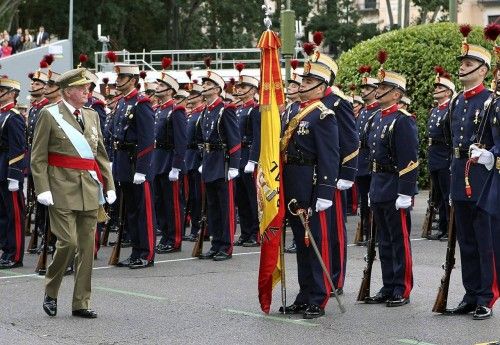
232 173
344 184
139 178
173 175
111 166
110 196
369 201
449 200
45 198
403 201
483 156
200 169
249 168
13 185
323 204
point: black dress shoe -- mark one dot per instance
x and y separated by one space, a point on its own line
296 308
397 301
239 242
482 313
462 309
340 292
85 313
291 249
124 263
50 305
444 238
8 264
140 263
193 238
185 238
126 243
436 237
251 243
362 243
313 311
166 248
377 299
208 255
222 256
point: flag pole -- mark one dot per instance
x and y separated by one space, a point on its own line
282 266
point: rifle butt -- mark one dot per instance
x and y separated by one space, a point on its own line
358 237
364 289
441 301
115 255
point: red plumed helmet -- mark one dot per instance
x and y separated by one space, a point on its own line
166 62
309 48
318 37
111 56
240 66
439 70
382 56
207 60
30 75
44 64
492 31
143 74
232 81
294 63
364 69
49 58
465 30
195 81
189 74
105 81
84 58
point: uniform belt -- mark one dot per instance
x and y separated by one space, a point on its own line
165 146
246 143
497 164
382 168
300 160
460 153
213 147
124 146
436 141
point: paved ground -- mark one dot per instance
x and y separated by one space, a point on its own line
187 301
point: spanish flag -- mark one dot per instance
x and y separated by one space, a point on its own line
269 192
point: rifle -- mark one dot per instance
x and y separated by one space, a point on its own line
115 254
358 237
30 208
364 289
41 266
198 246
429 214
105 233
442 296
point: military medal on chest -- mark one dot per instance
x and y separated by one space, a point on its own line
476 117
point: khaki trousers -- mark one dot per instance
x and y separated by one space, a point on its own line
75 232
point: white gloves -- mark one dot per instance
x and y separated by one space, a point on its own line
45 198
139 178
249 168
200 169
344 184
13 185
323 204
483 156
403 201
111 166
369 201
173 175
110 196
232 173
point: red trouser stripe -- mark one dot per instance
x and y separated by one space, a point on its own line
177 213
232 220
17 225
340 233
149 220
408 261
325 254
494 286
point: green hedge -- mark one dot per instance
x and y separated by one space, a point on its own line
413 52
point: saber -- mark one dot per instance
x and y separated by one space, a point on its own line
295 210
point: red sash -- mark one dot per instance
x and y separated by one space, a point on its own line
71 162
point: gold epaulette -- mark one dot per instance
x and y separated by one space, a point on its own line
15 111
338 92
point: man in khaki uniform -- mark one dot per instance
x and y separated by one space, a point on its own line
70 170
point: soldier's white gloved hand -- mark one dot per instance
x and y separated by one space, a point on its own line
111 166
323 204
110 196
232 173
344 184
200 169
13 185
449 200
45 198
369 201
173 175
483 156
403 201
139 178
249 167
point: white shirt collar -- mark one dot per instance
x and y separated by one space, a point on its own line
70 107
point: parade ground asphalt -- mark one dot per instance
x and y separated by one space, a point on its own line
184 300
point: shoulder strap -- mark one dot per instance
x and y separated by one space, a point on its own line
294 123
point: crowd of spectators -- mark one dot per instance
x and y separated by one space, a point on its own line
21 41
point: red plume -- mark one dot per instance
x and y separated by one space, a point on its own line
5 76
352 87
364 69
239 66
318 37
111 56
143 74
166 62
382 56
105 81
492 31
195 81
446 75
308 48
49 58
84 58
189 74
44 64
31 75
439 70
465 29
294 63
207 60
232 81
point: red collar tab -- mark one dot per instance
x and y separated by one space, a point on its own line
42 103
132 94
307 103
198 109
249 103
392 109
214 104
372 105
328 91
444 105
8 107
167 104
474 91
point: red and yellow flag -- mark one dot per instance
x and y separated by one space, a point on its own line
269 191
